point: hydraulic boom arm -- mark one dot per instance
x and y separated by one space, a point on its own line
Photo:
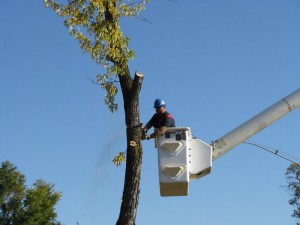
255 124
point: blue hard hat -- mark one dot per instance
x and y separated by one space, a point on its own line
159 103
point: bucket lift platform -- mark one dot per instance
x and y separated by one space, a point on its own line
181 158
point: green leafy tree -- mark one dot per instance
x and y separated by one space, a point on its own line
12 192
293 180
96 26
20 205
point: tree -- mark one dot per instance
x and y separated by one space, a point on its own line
20 205
293 180
12 191
96 26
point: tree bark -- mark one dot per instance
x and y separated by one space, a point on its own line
131 90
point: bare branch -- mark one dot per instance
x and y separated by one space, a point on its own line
135 3
107 82
94 82
141 18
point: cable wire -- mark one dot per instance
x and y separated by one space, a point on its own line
275 152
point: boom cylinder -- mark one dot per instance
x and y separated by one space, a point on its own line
255 124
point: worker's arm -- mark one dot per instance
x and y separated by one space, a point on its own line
145 130
147 126
160 131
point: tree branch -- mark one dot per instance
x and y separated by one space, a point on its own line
108 82
137 83
140 17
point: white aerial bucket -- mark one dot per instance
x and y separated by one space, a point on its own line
180 157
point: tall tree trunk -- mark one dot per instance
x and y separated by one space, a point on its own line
131 90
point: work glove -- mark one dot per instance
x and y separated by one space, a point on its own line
144 134
148 137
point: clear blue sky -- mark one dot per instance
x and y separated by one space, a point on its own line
216 64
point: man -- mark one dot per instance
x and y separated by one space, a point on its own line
161 120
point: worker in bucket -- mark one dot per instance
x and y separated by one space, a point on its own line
161 120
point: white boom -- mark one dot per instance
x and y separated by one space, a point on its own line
255 124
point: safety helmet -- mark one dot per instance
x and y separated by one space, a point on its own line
159 103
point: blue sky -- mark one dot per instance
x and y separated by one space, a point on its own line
216 64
